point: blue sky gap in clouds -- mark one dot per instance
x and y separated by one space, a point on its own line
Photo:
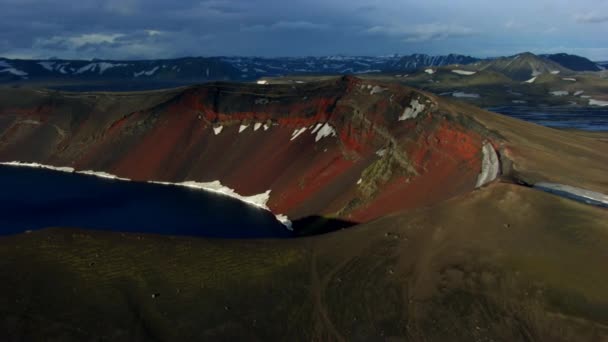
148 29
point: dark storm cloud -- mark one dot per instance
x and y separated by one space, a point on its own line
163 29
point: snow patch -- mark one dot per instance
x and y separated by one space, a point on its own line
429 71
297 132
465 95
262 82
381 152
593 102
325 131
519 101
569 79
285 221
377 90
317 127
554 72
412 111
464 72
489 165
242 128
14 72
102 174
531 80
559 93
218 129
257 126
266 126
578 92
88 67
39 166
146 73
259 200
47 65
103 66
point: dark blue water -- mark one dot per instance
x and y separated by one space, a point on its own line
588 119
33 199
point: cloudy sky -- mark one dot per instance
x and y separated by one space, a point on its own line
140 29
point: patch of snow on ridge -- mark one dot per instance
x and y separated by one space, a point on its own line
429 71
465 95
412 111
377 90
559 93
257 126
39 166
15 72
146 73
88 67
489 165
218 129
569 79
464 72
262 82
531 80
297 132
47 65
325 131
266 126
242 128
317 127
554 72
103 66
578 92
259 200
593 102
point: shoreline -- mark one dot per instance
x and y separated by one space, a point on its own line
258 200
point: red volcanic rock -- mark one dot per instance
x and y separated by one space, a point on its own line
370 160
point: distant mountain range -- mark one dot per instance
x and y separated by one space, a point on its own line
573 62
201 69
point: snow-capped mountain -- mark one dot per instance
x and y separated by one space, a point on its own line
169 72
216 68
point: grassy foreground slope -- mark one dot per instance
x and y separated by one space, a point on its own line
504 263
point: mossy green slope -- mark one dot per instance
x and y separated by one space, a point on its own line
504 263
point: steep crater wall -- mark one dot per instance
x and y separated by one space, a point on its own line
345 149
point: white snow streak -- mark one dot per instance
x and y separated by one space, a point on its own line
593 102
325 131
297 132
464 72
465 95
259 200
